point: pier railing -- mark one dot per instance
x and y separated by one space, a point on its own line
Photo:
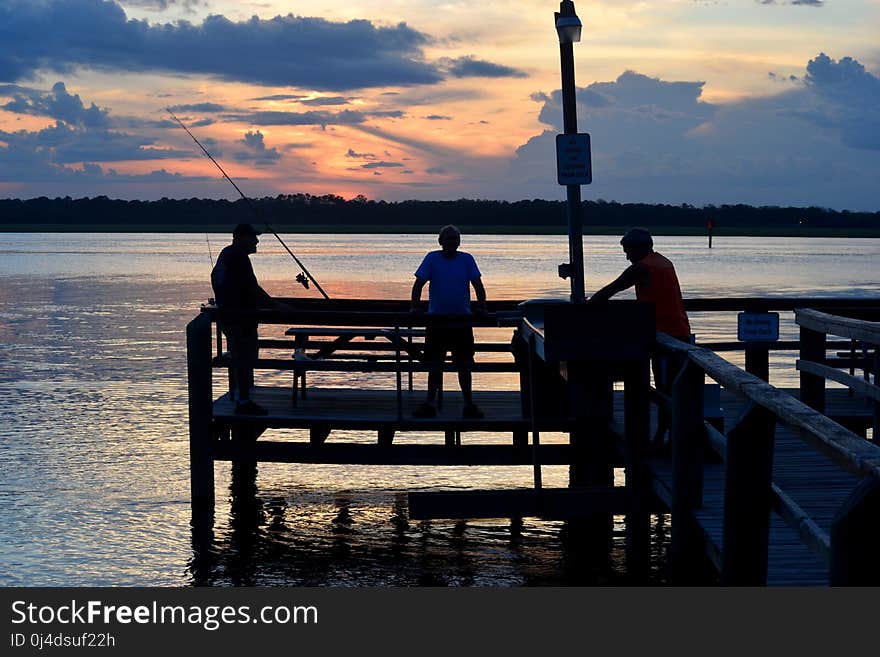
815 367
849 547
359 337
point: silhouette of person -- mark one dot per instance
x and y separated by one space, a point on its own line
655 280
451 273
236 288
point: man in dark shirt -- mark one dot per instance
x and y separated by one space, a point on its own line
236 288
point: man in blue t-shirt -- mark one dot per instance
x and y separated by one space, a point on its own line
451 273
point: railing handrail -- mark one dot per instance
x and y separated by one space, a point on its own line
844 327
850 451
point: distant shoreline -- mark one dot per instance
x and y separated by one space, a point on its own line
343 229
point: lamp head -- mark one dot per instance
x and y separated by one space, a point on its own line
568 25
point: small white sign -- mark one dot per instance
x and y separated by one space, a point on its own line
757 327
573 160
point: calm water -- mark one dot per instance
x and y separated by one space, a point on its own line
93 442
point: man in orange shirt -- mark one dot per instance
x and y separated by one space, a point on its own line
655 281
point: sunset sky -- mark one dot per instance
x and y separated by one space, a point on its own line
754 101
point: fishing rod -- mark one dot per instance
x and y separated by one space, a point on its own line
302 278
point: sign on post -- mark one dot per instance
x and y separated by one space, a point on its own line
757 327
573 161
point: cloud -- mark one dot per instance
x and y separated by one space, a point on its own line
470 67
438 117
849 100
256 150
653 140
364 156
80 136
65 35
199 107
20 164
322 118
65 144
809 3
381 165
280 97
56 104
325 100
161 5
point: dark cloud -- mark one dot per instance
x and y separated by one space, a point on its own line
381 165
364 156
672 107
56 104
67 34
16 167
80 135
849 100
656 141
65 144
782 78
256 150
470 67
162 5
326 100
10 89
322 118
280 97
808 3
199 107
438 117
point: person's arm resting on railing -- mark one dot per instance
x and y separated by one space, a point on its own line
630 276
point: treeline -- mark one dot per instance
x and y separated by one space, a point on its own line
305 211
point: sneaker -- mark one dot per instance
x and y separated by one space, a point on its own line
249 408
425 410
472 412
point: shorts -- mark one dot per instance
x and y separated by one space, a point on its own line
241 341
442 339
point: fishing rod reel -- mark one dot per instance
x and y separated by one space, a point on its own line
303 280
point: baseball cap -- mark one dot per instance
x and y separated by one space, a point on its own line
245 229
636 237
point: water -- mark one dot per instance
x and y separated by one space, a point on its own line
93 417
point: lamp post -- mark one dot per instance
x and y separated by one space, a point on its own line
568 26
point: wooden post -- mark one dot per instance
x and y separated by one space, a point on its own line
399 374
533 415
591 404
855 538
637 429
318 433
876 415
748 498
201 411
758 360
812 385
688 437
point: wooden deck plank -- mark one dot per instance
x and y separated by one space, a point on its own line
817 484
350 408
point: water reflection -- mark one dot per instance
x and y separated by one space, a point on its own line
341 539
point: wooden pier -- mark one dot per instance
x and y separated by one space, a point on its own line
769 486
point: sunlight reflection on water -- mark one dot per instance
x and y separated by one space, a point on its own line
93 416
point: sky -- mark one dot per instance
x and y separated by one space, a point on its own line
764 102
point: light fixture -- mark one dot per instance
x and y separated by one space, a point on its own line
568 25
